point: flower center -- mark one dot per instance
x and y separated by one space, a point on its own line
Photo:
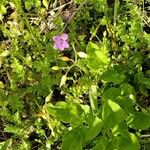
61 41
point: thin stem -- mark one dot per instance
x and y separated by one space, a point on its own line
75 61
116 11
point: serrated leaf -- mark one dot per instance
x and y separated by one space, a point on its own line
6 145
19 131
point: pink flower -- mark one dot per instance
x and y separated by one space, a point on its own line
60 42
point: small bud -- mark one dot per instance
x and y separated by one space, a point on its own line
55 68
63 80
64 58
82 54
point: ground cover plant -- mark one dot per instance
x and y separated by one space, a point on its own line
74 75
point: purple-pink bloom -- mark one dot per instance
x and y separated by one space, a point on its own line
60 42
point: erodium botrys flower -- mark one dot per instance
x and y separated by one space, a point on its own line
60 42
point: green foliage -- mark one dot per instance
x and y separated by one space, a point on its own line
93 95
97 59
112 114
115 74
66 112
73 140
6 145
139 120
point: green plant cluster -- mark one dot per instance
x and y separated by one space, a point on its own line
94 95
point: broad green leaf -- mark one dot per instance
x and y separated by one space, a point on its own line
123 139
112 114
126 89
139 121
72 140
93 128
112 75
143 90
128 141
118 95
93 97
97 58
66 112
101 144
142 79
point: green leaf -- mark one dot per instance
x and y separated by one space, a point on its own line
93 97
29 4
113 75
66 112
17 130
97 58
15 103
112 114
93 128
72 140
139 121
6 145
121 96
101 144
17 69
142 79
128 141
32 3
2 9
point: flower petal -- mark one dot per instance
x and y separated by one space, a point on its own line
61 48
65 44
55 46
64 36
56 38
